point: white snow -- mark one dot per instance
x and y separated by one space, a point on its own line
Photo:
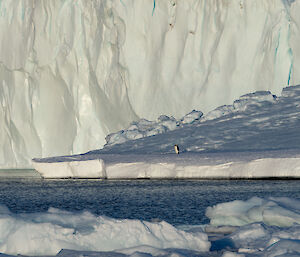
273 212
256 137
72 169
74 71
191 117
143 128
225 165
267 227
47 233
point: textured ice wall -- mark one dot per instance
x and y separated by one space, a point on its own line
73 71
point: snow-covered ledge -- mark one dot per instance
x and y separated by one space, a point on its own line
71 169
170 166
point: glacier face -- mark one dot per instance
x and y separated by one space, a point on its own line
74 71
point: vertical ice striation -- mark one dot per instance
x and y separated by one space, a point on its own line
62 86
74 71
283 52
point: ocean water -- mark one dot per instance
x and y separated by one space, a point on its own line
179 202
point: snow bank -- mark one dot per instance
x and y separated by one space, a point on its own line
144 128
254 100
74 71
257 122
256 137
48 233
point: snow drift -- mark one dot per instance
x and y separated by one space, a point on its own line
74 71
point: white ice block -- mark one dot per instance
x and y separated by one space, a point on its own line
71 169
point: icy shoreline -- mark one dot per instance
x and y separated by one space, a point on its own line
254 164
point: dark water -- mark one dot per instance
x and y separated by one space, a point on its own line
175 201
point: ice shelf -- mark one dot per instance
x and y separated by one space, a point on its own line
279 164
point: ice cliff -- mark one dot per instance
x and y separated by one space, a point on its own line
74 71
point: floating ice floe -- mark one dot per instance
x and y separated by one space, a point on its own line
47 233
282 212
63 233
261 227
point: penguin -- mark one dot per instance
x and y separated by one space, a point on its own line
176 148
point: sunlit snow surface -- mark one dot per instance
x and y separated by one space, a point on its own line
256 227
256 121
257 136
